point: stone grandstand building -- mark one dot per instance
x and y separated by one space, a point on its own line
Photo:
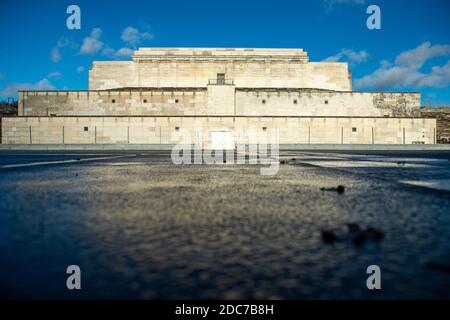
225 92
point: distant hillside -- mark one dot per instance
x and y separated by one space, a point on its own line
442 114
8 108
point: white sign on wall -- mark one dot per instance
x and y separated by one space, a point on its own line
222 140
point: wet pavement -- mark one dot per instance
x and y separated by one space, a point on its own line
140 227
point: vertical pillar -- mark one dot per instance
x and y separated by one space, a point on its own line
95 134
404 136
373 136
342 135
434 135
30 138
128 134
62 134
309 135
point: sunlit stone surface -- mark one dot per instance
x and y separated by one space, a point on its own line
145 100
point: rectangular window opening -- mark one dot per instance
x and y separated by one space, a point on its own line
221 78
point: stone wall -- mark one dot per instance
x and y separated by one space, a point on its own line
221 100
397 104
171 130
248 68
327 75
120 103
442 116
324 103
218 100
112 74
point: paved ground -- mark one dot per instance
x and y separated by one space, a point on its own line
141 227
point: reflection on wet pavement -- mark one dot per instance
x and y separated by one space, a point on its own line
140 227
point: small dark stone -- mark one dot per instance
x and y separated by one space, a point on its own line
224 161
353 228
282 162
374 234
328 236
293 159
78 159
359 239
339 189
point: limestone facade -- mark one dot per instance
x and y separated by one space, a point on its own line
226 100
163 92
171 130
196 67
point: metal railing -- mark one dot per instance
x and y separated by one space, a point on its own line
220 82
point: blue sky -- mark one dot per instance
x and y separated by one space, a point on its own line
411 52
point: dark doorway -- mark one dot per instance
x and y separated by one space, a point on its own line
221 78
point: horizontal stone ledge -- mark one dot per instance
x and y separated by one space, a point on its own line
339 147
220 116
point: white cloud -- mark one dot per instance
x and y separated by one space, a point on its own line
108 52
350 56
124 52
418 56
117 54
12 89
54 75
80 69
133 37
405 72
92 44
439 77
55 54
62 42
330 4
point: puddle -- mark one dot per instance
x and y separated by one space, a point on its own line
443 185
